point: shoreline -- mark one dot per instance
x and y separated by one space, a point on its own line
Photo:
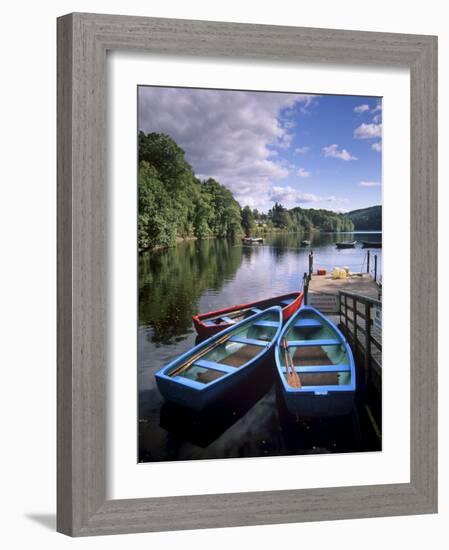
180 240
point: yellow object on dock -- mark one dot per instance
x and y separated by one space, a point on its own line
338 273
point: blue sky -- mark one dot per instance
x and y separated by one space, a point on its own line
313 151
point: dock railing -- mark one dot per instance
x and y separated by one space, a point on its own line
361 320
361 323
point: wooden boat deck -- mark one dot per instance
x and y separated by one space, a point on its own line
310 355
242 355
208 376
319 379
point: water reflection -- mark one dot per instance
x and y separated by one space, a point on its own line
195 276
204 428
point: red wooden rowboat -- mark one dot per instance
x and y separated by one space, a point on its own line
208 324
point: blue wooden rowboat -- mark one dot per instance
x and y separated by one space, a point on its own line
205 374
315 366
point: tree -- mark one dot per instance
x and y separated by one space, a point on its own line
157 214
248 220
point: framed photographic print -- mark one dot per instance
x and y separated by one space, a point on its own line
246 274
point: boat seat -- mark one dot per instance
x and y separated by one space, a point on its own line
253 341
266 324
228 320
213 365
308 323
301 343
321 368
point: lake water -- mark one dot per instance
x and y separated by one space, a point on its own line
200 276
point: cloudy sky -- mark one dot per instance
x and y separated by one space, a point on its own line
297 149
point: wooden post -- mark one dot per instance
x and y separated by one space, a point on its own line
339 306
375 268
306 287
310 263
346 317
367 261
367 343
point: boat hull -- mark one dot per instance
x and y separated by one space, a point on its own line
189 392
319 406
345 245
250 240
199 401
205 330
317 401
366 244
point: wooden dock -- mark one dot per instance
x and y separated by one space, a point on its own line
354 305
323 291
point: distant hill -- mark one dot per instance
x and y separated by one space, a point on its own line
368 219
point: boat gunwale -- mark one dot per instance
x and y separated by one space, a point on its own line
324 390
199 318
197 386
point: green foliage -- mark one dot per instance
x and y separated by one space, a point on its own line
367 219
157 219
225 220
248 220
302 219
174 203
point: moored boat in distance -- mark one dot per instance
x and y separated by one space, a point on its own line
252 240
205 374
315 366
207 324
368 244
305 243
348 244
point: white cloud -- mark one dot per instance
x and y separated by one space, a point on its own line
289 196
302 150
302 173
377 108
377 119
228 135
370 184
361 108
335 152
377 146
368 131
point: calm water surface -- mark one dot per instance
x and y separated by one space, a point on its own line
199 276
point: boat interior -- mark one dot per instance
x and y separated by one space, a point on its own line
236 316
237 350
316 351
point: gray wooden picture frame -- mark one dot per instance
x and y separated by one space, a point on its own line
83 40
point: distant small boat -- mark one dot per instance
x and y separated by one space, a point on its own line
252 240
305 243
205 374
348 244
368 244
207 324
315 366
